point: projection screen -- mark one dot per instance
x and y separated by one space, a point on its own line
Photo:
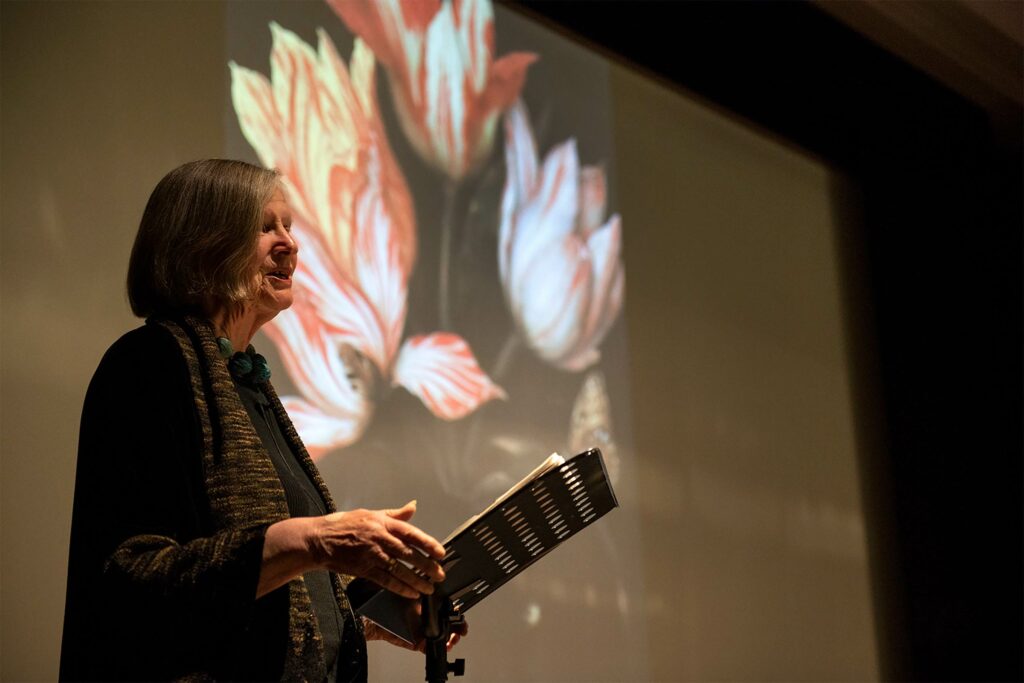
513 246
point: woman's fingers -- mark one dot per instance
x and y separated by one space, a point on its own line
459 630
411 577
398 578
396 534
403 513
374 632
418 549
381 546
411 535
386 579
425 566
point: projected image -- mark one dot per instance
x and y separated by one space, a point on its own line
460 288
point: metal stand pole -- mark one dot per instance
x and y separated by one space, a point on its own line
438 618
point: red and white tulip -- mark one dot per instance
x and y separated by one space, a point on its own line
448 88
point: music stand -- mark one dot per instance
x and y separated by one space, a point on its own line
492 549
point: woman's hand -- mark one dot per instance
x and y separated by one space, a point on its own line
379 545
375 632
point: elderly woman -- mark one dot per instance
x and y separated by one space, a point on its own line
204 542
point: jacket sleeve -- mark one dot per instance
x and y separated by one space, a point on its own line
153 592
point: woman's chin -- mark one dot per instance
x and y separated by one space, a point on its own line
283 301
272 303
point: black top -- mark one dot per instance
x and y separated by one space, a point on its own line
305 501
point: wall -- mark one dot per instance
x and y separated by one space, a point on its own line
100 100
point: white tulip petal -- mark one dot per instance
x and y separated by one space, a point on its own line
322 432
548 217
335 301
555 298
604 246
521 176
592 198
445 93
311 356
378 266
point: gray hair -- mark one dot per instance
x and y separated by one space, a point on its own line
194 249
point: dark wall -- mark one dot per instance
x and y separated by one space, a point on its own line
932 258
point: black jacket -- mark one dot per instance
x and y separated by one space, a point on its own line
173 495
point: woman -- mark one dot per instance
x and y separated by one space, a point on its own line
204 542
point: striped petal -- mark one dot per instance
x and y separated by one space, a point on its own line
337 302
475 22
607 289
547 218
555 298
311 356
442 371
520 178
446 98
592 199
334 402
321 432
393 29
258 117
380 274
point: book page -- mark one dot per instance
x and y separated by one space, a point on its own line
554 460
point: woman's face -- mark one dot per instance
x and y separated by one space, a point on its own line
276 254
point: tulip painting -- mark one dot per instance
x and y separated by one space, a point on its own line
556 287
560 266
449 90
317 121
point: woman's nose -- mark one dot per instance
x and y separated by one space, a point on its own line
287 239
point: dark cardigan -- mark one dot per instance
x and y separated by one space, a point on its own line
173 495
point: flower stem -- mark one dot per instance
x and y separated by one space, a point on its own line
501 366
447 220
505 355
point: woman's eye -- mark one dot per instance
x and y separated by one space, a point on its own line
269 228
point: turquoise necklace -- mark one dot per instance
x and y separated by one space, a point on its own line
246 366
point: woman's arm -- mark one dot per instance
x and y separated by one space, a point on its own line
379 545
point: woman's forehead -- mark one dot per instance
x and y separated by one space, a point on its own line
279 194
276 210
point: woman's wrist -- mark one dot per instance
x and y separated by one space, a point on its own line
311 538
288 551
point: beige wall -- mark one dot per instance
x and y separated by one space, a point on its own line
99 101
755 554
755 546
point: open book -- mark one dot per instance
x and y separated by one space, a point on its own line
553 460
556 500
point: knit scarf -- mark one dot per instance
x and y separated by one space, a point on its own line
242 486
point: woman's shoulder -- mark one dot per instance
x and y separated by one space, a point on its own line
146 355
146 342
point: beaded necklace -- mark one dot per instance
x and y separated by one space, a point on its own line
247 366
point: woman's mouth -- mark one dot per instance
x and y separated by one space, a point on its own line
279 276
